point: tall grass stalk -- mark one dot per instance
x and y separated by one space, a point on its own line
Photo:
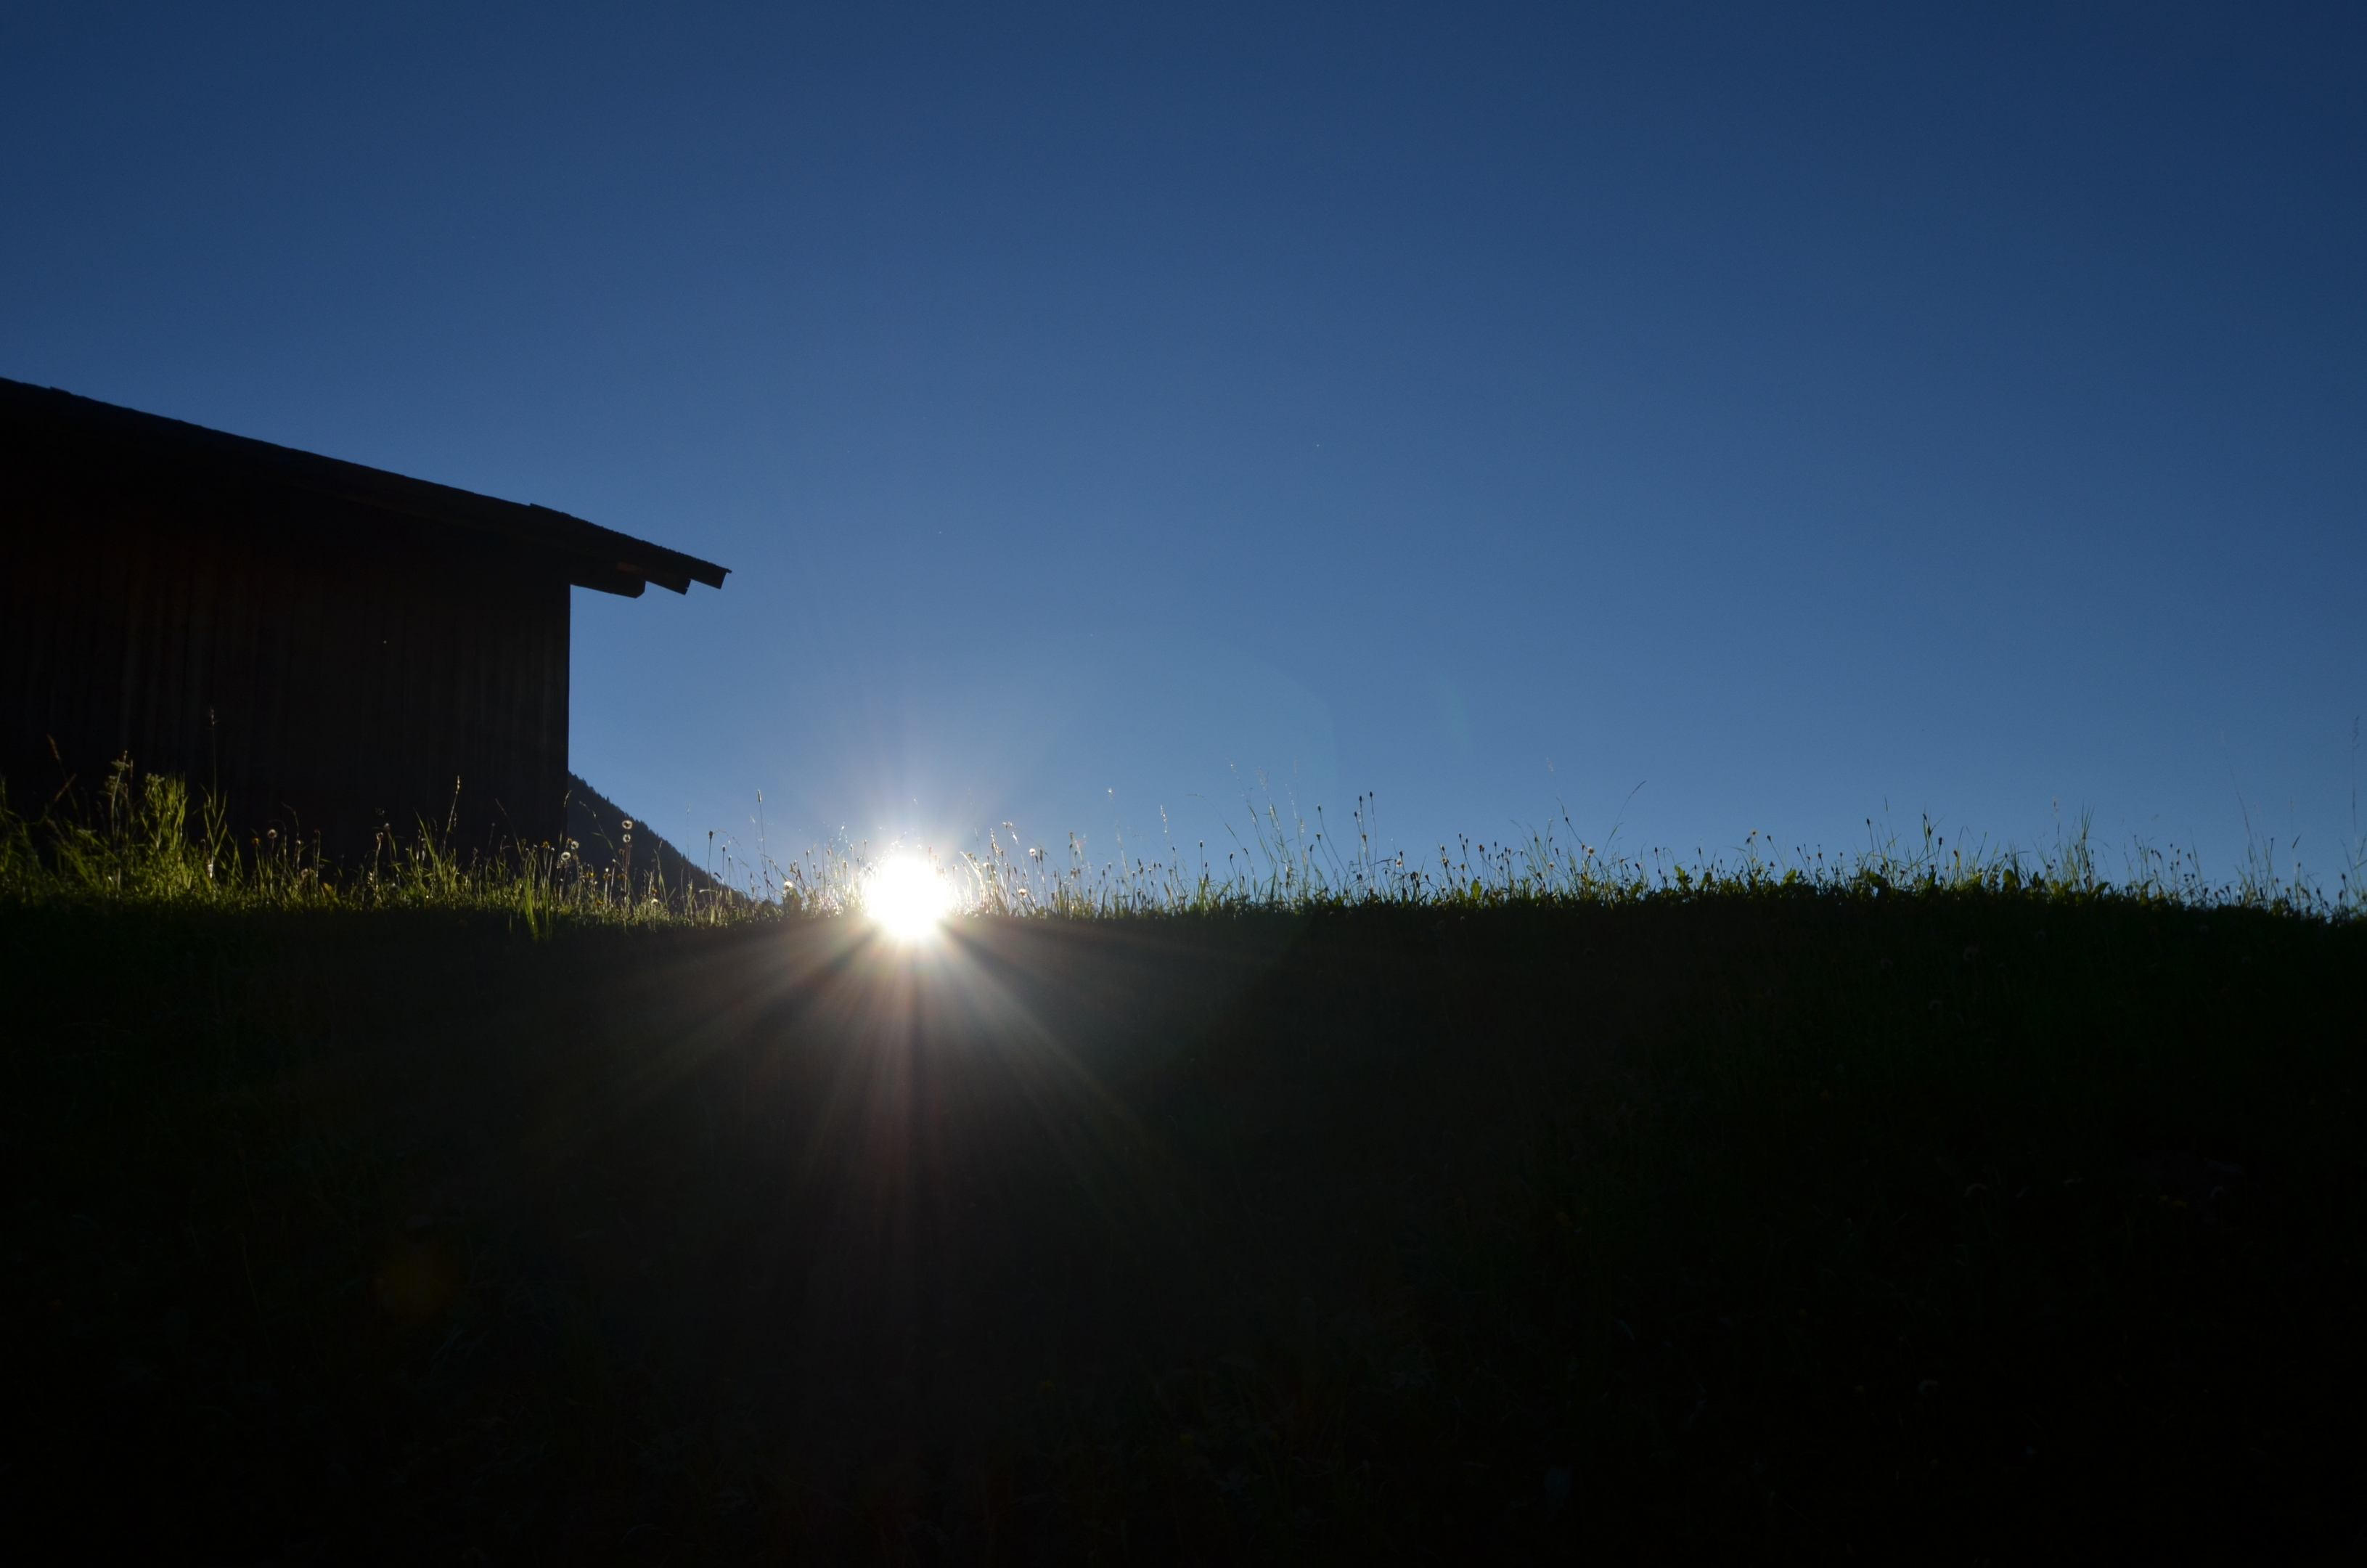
147 838
1296 866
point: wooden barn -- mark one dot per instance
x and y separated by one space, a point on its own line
329 647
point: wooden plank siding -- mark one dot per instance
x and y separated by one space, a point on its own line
328 661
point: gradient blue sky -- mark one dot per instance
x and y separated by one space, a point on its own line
1804 414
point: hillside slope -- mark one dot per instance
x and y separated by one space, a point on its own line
596 824
1934 1229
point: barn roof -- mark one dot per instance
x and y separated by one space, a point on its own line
589 555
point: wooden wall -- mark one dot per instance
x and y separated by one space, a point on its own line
327 665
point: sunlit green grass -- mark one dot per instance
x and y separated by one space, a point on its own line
147 838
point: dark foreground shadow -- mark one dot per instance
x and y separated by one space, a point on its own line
1927 1229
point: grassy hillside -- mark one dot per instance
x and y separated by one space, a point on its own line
606 838
1984 1223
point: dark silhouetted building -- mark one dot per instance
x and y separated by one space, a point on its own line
328 647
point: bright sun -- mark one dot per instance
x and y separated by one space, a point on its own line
907 898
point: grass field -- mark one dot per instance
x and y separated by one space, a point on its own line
1919 1209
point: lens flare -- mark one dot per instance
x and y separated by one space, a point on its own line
908 898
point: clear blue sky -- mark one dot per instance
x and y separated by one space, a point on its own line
1803 414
